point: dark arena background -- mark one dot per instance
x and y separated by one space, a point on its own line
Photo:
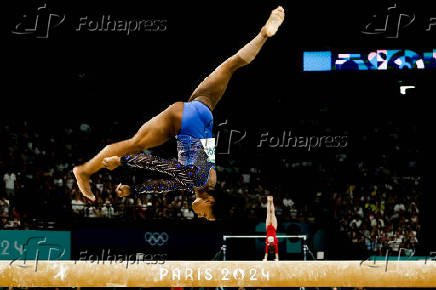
330 119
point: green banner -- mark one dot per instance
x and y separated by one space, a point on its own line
399 258
35 245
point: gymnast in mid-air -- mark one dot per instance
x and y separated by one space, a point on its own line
191 123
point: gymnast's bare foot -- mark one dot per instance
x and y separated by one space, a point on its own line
82 179
269 198
273 23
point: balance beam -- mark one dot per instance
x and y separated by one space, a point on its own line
219 273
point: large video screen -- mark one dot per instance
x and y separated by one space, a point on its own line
380 59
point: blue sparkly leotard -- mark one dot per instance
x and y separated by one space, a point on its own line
196 154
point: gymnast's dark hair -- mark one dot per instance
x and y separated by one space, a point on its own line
221 207
271 249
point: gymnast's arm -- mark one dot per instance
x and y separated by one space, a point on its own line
139 160
277 251
123 190
266 253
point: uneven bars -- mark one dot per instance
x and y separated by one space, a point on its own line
241 237
225 237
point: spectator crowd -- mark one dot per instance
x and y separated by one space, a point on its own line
377 206
380 218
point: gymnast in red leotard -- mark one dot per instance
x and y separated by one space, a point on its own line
272 245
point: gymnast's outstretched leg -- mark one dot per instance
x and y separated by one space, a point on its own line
153 133
271 214
212 88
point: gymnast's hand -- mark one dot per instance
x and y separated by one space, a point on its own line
123 190
112 162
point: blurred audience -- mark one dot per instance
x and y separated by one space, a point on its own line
376 202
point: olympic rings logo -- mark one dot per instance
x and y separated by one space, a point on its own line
156 238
